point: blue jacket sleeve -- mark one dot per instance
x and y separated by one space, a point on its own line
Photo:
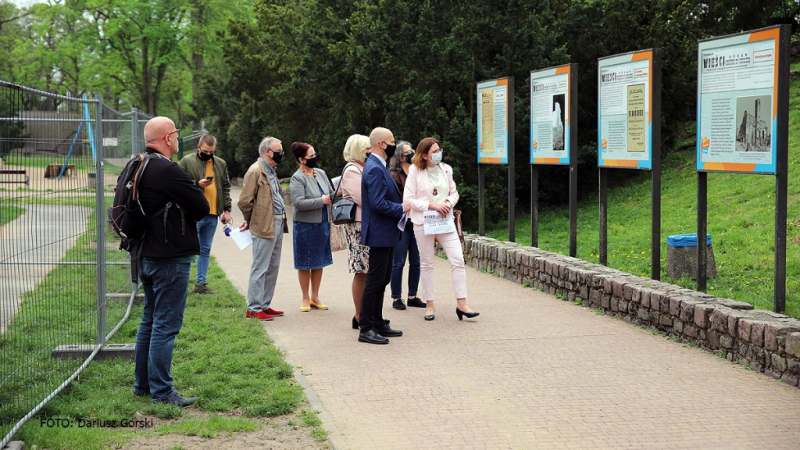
378 192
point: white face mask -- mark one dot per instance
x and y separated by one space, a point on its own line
436 158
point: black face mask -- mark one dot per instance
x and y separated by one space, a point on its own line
311 163
390 148
277 157
407 158
204 156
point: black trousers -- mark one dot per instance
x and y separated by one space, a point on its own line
378 277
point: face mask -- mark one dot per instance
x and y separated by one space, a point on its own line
390 148
311 163
204 156
277 157
436 158
407 158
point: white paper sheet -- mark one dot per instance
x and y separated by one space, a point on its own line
243 239
433 223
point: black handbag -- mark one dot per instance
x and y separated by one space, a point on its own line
343 209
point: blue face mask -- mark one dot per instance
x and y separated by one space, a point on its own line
436 158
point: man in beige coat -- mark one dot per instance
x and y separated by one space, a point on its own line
264 213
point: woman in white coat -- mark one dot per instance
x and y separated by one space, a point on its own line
430 187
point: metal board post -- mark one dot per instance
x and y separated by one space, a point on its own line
534 205
702 221
603 219
573 161
481 201
781 171
655 175
512 218
100 214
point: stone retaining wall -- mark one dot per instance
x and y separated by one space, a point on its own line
765 341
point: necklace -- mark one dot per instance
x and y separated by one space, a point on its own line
313 173
435 173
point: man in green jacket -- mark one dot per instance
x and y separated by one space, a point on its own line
211 175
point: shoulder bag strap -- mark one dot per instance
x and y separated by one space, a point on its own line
338 187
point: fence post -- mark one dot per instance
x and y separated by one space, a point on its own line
100 208
134 131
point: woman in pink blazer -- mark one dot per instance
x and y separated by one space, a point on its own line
430 187
355 153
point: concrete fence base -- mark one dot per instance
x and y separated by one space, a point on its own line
765 341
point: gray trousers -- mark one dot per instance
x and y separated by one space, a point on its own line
264 271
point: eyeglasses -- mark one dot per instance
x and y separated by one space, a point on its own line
177 130
278 150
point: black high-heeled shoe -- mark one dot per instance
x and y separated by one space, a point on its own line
430 316
469 315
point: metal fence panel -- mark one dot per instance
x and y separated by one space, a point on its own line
63 280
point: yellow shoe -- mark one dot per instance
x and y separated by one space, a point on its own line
320 306
305 308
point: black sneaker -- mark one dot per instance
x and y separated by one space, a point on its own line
398 304
176 399
416 303
202 288
139 393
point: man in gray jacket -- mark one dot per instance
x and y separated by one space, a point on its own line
261 202
210 174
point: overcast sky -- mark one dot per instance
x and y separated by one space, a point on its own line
25 2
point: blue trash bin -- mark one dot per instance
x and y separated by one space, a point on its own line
682 256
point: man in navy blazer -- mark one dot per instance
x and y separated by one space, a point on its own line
383 216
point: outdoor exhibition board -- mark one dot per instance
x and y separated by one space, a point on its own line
495 100
625 110
550 116
493 109
743 126
629 134
554 134
737 108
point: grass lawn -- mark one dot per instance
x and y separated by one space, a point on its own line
42 160
228 362
741 221
111 169
9 213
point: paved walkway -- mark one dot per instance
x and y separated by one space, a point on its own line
32 245
532 372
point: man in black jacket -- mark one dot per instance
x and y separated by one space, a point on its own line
173 204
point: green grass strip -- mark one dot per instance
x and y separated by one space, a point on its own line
9 213
227 361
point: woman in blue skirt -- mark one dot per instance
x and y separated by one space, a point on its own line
311 198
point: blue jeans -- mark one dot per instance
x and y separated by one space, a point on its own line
165 290
407 245
205 234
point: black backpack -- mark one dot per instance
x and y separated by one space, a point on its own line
126 215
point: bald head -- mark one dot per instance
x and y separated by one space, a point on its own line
161 135
379 134
379 140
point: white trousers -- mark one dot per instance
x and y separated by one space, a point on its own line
455 254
